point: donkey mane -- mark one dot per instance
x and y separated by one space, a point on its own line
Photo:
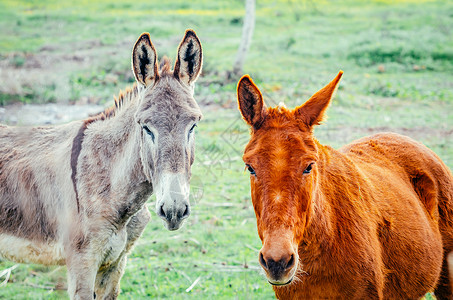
128 95
124 97
280 116
165 66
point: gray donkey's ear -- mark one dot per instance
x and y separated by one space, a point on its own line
144 61
189 59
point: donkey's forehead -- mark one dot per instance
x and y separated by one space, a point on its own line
280 142
168 99
167 92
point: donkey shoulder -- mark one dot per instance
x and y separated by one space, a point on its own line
403 159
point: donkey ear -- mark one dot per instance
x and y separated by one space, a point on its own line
312 111
144 61
250 102
189 58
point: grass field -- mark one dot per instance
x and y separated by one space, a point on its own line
398 62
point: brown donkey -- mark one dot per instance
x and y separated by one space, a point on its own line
75 194
372 220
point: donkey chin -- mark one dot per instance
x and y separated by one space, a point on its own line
172 194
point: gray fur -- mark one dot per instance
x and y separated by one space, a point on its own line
75 194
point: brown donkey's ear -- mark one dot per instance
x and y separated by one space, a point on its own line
144 61
189 58
250 102
312 111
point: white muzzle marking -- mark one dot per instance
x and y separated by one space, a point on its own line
172 205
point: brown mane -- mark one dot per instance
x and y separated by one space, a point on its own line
165 66
277 117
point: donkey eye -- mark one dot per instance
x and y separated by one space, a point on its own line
149 132
308 169
192 128
250 169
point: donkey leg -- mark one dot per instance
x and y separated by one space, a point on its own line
108 279
81 276
371 284
107 285
368 290
87 250
444 289
136 226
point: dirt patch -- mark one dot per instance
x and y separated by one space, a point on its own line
52 67
33 114
48 75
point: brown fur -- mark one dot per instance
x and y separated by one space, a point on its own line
372 220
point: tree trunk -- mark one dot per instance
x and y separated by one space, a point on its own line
247 32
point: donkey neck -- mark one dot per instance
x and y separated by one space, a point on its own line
336 184
118 138
110 167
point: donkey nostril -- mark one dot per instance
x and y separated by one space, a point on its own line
262 261
161 211
290 262
186 212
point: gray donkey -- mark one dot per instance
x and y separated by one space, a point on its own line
75 194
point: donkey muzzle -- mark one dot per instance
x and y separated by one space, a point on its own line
173 200
279 257
174 216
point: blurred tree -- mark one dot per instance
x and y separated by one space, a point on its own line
246 39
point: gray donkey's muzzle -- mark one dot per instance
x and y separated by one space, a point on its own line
172 193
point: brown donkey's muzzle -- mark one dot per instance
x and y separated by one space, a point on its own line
279 258
279 270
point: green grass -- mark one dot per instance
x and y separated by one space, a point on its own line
398 63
